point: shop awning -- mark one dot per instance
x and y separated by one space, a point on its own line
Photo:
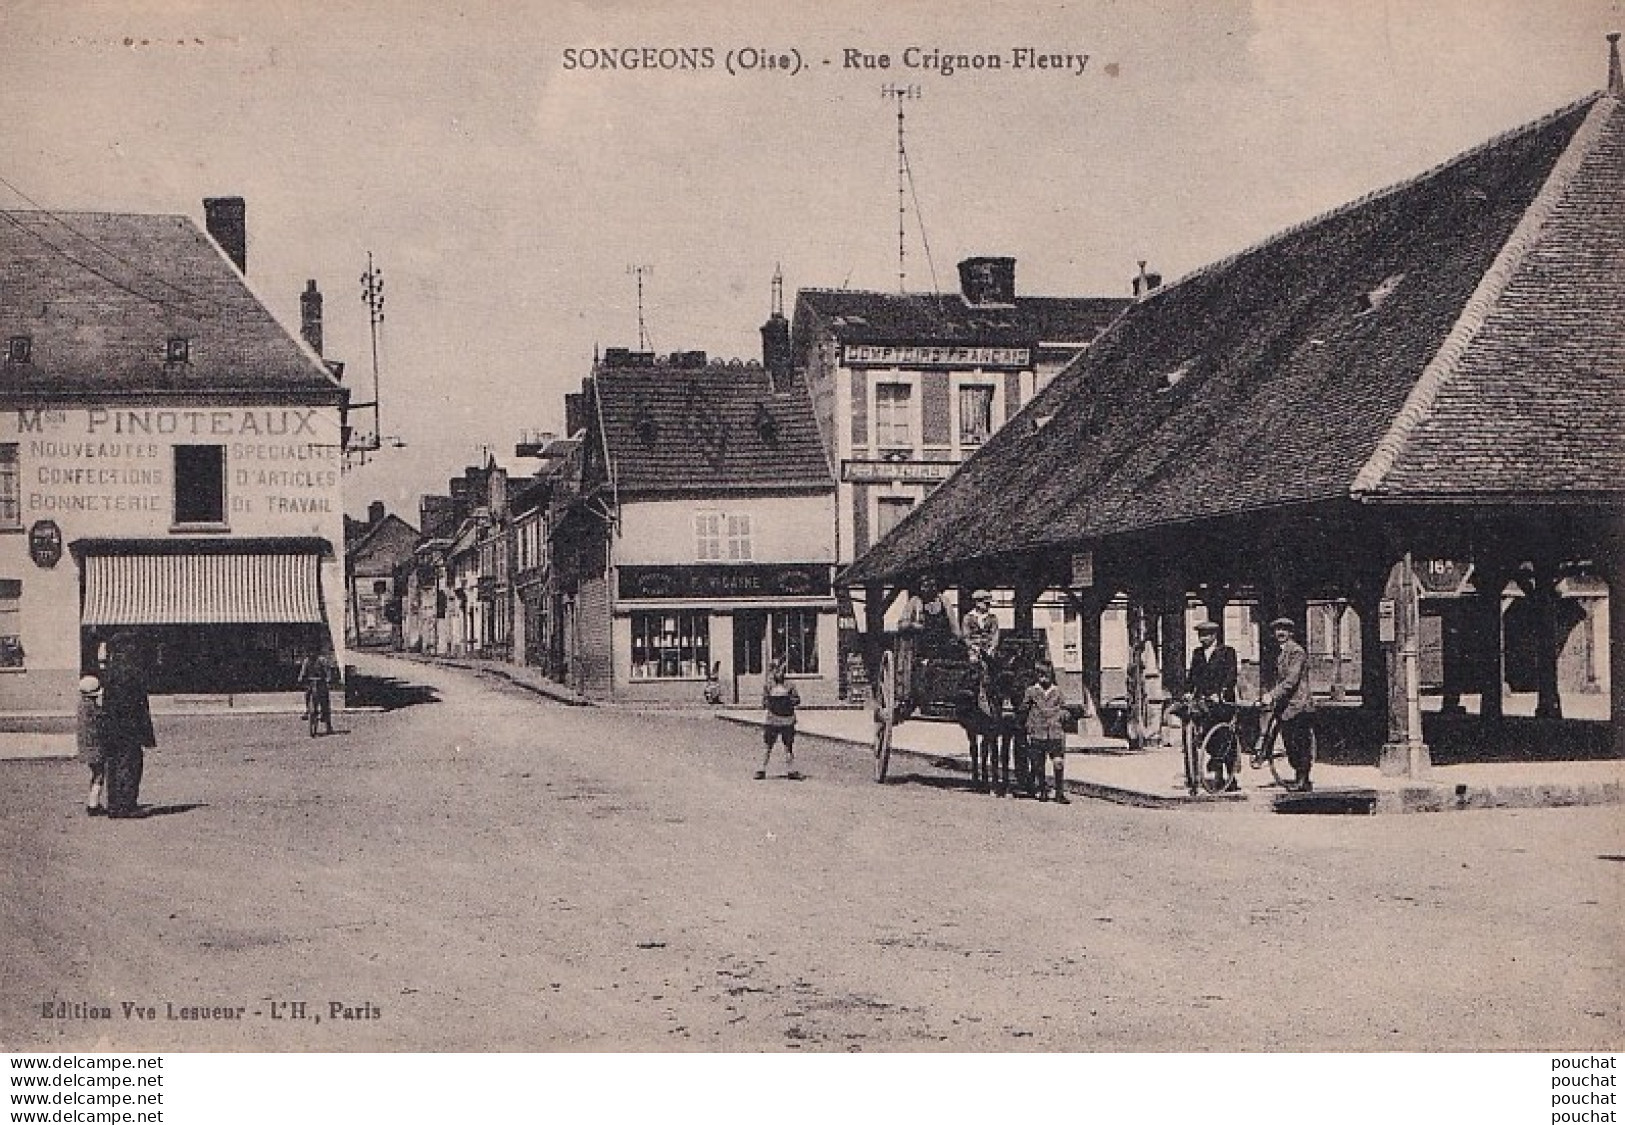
202 589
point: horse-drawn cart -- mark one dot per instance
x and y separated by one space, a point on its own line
983 697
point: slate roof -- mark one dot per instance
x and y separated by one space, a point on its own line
711 429
383 546
865 317
100 295
1459 336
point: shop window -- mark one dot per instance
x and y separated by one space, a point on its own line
670 646
708 536
739 538
795 640
11 495
200 484
975 415
891 511
11 623
893 415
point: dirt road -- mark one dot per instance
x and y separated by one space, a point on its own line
491 871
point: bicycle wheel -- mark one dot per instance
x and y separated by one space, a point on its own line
1216 761
1193 757
311 710
1280 767
885 713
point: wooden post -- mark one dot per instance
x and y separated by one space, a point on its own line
1089 604
1027 591
1340 610
1490 578
1173 649
1399 628
1616 652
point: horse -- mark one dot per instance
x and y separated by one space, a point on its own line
984 710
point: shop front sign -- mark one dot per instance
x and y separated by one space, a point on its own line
743 580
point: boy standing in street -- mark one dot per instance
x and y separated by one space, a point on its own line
780 700
1044 708
90 744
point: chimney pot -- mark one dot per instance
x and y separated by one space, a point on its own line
310 316
375 512
988 281
226 218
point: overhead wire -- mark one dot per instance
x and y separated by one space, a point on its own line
47 213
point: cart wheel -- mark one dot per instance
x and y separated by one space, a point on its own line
885 713
1216 761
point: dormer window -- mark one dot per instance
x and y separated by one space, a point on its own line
1171 379
178 350
20 349
1373 300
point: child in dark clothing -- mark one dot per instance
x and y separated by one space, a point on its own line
90 744
780 700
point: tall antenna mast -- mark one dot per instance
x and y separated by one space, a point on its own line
900 94
643 333
372 295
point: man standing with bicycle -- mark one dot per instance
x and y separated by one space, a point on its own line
1210 684
1290 701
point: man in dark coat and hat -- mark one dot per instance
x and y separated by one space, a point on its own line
1290 699
126 727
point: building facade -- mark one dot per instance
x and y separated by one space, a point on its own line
906 387
698 547
170 463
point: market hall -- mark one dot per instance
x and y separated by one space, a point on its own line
1429 381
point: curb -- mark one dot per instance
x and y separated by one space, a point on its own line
1421 798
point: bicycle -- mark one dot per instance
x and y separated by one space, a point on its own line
1213 764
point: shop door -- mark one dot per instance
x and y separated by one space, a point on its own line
750 655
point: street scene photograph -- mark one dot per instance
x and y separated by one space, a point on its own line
790 529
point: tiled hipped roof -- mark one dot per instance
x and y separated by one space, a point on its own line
100 295
863 317
711 429
1459 336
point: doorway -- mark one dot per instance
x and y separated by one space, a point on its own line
750 654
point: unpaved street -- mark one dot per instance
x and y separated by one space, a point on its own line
488 870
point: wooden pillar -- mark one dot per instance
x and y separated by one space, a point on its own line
1405 753
1616 653
1538 581
874 628
1171 614
1027 591
1490 578
1143 730
1340 610
1090 604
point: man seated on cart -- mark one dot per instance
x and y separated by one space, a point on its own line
926 632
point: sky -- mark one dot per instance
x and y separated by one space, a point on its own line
507 191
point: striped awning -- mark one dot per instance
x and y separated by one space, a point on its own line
202 589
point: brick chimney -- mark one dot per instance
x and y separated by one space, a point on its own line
226 218
310 316
777 357
375 513
1616 81
988 281
1146 283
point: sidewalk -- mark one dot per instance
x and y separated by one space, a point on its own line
1107 769
520 675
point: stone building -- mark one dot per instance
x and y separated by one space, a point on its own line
170 460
